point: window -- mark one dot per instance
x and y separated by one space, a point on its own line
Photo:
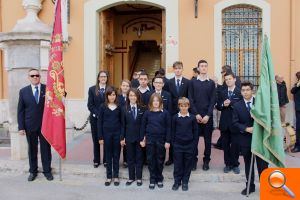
242 37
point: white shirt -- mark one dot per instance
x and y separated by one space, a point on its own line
180 115
133 105
205 79
180 79
112 106
33 89
251 104
143 90
158 92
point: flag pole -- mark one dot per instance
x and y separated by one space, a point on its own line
250 173
60 171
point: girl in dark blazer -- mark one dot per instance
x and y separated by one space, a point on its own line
130 136
122 98
109 131
156 130
96 98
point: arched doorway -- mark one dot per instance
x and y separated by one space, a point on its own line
130 39
92 28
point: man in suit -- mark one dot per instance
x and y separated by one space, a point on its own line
225 103
30 114
178 87
243 122
296 92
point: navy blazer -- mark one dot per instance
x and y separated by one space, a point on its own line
226 112
131 127
30 114
121 100
183 92
241 119
296 92
167 101
94 102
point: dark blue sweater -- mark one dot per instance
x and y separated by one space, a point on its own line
109 121
184 130
145 97
156 126
202 96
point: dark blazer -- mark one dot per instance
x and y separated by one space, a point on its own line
183 92
296 92
241 119
226 112
30 114
282 94
130 126
94 102
167 101
121 100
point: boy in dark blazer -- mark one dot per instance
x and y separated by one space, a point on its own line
30 115
243 122
178 87
225 103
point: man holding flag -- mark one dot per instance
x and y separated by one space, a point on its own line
265 136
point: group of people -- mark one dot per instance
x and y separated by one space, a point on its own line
149 120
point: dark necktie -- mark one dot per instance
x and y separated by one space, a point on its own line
101 91
229 94
248 106
133 112
36 94
178 86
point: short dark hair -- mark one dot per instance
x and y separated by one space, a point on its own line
162 71
298 75
177 63
33 69
230 74
195 69
143 73
158 76
247 83
202 61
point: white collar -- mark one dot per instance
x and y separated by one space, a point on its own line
133 105
231 90
180 79
180 115
206 79
251 100
159 92
144 89
100 87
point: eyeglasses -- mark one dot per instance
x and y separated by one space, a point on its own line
158 82
35 75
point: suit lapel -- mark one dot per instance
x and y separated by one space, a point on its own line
42 93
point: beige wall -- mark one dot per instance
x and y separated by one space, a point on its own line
196 38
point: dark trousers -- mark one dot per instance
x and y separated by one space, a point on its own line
135 160
297 128
112 153
231 148
261 165
96 145
205 130
171 153
156 156
183 163
45 148
124 154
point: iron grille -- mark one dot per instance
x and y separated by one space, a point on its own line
242 33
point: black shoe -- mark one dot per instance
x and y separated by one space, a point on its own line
151 186
125 165
236 170
160 184
226 169
107 182
139 182
175 186
105 164
48 176
169 162
116 181
96 165
244 192
296 149
129 182
205 166
32 177
194 167
185 187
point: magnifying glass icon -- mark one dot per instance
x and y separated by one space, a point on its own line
277 180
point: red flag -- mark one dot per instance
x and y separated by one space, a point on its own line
54 127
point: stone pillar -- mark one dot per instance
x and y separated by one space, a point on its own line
24 48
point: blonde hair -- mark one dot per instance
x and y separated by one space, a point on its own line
155 95
184 101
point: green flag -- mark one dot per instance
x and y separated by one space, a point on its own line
267 138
